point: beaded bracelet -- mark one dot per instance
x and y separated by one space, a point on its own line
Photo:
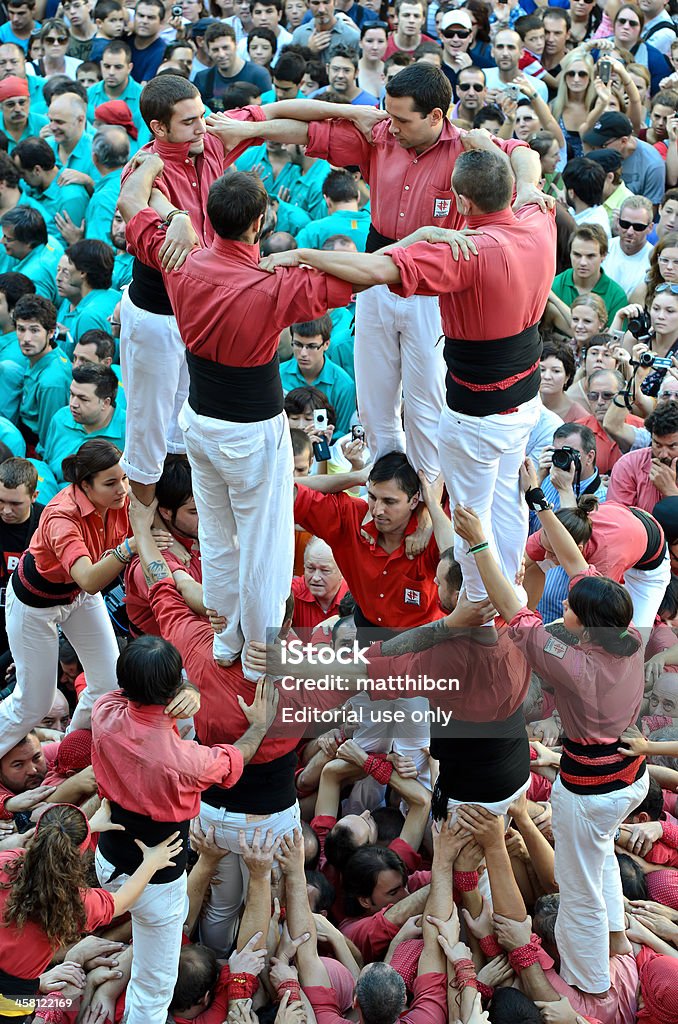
293 987
379 768
490 946
128 549
478 547
465 881
523 957
242 986
118 554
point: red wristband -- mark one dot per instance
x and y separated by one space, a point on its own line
242 986
465 881
486 991
379 768
523 957
293 987
465 974
490 946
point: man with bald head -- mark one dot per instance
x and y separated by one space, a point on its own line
110 153
70 139
506 51
318 592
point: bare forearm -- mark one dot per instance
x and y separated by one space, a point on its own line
308 110
249 742
361 269
526 166
564 545
337 482
443 531
506 897
191 591
409 907
257 914
616 426
541 853
198 884
440 904
534 585
154 566
278 129
499 590
135 194
418 800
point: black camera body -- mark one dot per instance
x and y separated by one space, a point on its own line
640 327
657 362
564 458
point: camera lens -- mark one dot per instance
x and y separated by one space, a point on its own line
562 459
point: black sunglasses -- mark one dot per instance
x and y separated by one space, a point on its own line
465 86
626 224
457 33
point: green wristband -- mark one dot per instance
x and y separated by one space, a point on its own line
479 547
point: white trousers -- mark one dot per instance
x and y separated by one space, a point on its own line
647 590
399 360
157 922
34 642
243 490
591 897
480 457
155 378
219 922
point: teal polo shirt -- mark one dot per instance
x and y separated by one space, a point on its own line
41 266
333 382
81 157
73 199
47 487
91 312
33 125
102 206
10 349
342 340
13 438
291 218
11 387
257 155
97 95
122 270
307 191
46 390
353 223
612 294
35 87
65 436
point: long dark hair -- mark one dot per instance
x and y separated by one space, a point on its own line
577 520
605 610
92 457
47 882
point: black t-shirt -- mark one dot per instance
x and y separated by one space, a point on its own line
14 539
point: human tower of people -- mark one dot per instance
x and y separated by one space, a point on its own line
340 670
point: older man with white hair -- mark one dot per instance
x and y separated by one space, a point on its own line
318 592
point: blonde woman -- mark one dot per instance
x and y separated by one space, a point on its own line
575 94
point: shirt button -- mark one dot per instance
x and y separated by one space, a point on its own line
381 595
407 188
384 573
402 214
194 184
378 619
415 161
187 161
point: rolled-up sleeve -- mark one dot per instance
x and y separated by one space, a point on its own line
144 236
341 143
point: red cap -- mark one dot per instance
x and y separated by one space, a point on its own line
115 112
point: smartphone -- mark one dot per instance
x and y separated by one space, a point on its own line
604 71
358 432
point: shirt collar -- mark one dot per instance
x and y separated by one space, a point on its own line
501 217
151 715
373 532
174 152
85 506
242 250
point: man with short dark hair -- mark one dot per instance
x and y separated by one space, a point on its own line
146 45
21 24
12 286
472 93
644 477
324 30
584 181
48 378
82 28
116 82
84 282
267 14
588 249
228 68
92 411
557 33
248 434
37 163
342 72
32 252
410 16
344 218
22 772
310 365
19 518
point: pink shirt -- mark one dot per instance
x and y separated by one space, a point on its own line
630 482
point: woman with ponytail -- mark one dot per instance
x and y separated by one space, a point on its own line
45 903
625 544
598 687
79 548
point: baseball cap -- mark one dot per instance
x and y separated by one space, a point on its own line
609 159
611 126
458 17
201 26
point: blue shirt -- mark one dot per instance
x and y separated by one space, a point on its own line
46 389
353 223
41 265
81 157
56 198
257 155
307 190
122 270
33 125
13 438
101 207
97 95
91 312
10 349
11 386
35 86
146 62
7 36
65 436
334 382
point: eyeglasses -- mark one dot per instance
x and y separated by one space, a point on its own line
606 396
465 86
626 224
673 288
576 74
51 40
627 21
457 33
666 261
299 345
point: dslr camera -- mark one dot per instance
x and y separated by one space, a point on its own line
565 457
640 327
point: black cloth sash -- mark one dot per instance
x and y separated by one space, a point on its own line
239 394
120 849
35 591
18 988
488 367
375 240
264 788
620 772
147 290
655 552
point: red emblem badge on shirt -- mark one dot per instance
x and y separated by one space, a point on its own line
555 647
441 207
412 596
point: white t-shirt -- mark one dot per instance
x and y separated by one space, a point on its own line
627 271
593 215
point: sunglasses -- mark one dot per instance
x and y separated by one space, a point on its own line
606 396
627 21
673 288
576 74
465 86
626 224
457 33
55 39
